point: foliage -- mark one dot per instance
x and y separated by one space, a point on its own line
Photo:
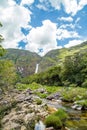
32 86
41 95
50 77
75 68
56 57
61 114
83 103
57 119
53 121
7 74
73 94
1 37
84 84
24 61
2 51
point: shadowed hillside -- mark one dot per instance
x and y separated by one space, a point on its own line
24 61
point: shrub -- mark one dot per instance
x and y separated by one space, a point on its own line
82 103
53 121
61 114
57 119
84 84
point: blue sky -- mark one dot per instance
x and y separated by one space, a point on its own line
42 25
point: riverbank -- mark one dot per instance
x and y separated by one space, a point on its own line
20 108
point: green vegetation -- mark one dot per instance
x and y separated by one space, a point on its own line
71 72
73 94
57 119
83 103
32 86
50 77
7 74
1 37
53 121
24 61
56 57
61 114
38 101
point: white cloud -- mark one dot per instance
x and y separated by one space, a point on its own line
66 19
70 6
73 43
40 6
13 17
42 37
55 3
28 2
63 33
65 26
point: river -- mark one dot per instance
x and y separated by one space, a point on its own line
77 119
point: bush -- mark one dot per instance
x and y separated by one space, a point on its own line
57 119
53 121
84 84
83 103
61 114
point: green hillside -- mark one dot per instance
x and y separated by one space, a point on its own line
57 56
70 70
24 61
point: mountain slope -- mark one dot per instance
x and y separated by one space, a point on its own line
24 61
57 56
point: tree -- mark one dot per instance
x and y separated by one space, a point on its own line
1 39
75 68
7 74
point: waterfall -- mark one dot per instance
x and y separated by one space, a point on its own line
37 66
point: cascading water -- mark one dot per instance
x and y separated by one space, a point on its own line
37 66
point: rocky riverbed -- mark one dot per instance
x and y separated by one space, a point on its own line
20 109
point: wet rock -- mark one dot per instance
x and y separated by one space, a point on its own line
54 96
76 107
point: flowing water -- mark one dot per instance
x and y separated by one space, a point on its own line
37 66
77 119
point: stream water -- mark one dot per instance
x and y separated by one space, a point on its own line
77 119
